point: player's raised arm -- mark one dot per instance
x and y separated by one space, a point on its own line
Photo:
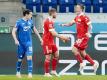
69 24
37 33
14 35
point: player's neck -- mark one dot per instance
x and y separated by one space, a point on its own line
25 19
81 13
50 17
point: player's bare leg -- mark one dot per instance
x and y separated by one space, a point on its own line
54 63
30 65
88 58
78 57
47 65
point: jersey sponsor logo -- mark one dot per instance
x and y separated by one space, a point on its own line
79 20
26 28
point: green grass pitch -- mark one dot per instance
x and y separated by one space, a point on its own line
40 77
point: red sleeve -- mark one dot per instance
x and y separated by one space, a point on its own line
87 20
75 19
50 26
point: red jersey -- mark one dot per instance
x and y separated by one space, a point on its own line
82 22
48 39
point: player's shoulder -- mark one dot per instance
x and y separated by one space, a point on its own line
48 19
84 16
45 20
19 20
31 21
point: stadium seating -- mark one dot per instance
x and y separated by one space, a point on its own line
34 5
36 8
87 4
104 5
33 2
96 6
64 6
46 4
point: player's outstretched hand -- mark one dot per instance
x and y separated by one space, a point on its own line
62 25
42 42
88 35
64 38
17 42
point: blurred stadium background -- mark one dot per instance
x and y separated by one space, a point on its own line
11 10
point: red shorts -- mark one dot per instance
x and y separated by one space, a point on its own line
49 49
82 43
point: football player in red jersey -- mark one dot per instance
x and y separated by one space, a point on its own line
49 46
83 27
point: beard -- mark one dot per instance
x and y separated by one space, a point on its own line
54 17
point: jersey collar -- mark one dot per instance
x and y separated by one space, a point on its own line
50 18
24 19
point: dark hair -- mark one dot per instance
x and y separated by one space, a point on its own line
52 10
27 11
82 6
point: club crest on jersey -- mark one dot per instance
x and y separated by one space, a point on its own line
79 20
26 28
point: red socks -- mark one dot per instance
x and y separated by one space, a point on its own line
46 66
88 58
79 58
54 64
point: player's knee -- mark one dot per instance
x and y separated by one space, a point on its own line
75 51
56 55
29 57
56 58
47 59
83 53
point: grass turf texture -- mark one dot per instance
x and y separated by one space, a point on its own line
39 77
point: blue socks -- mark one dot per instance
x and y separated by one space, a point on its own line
30 66
18 65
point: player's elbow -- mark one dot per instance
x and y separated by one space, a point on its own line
13 31
53 33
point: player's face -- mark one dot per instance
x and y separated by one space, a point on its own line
54 15
78 9
29 16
